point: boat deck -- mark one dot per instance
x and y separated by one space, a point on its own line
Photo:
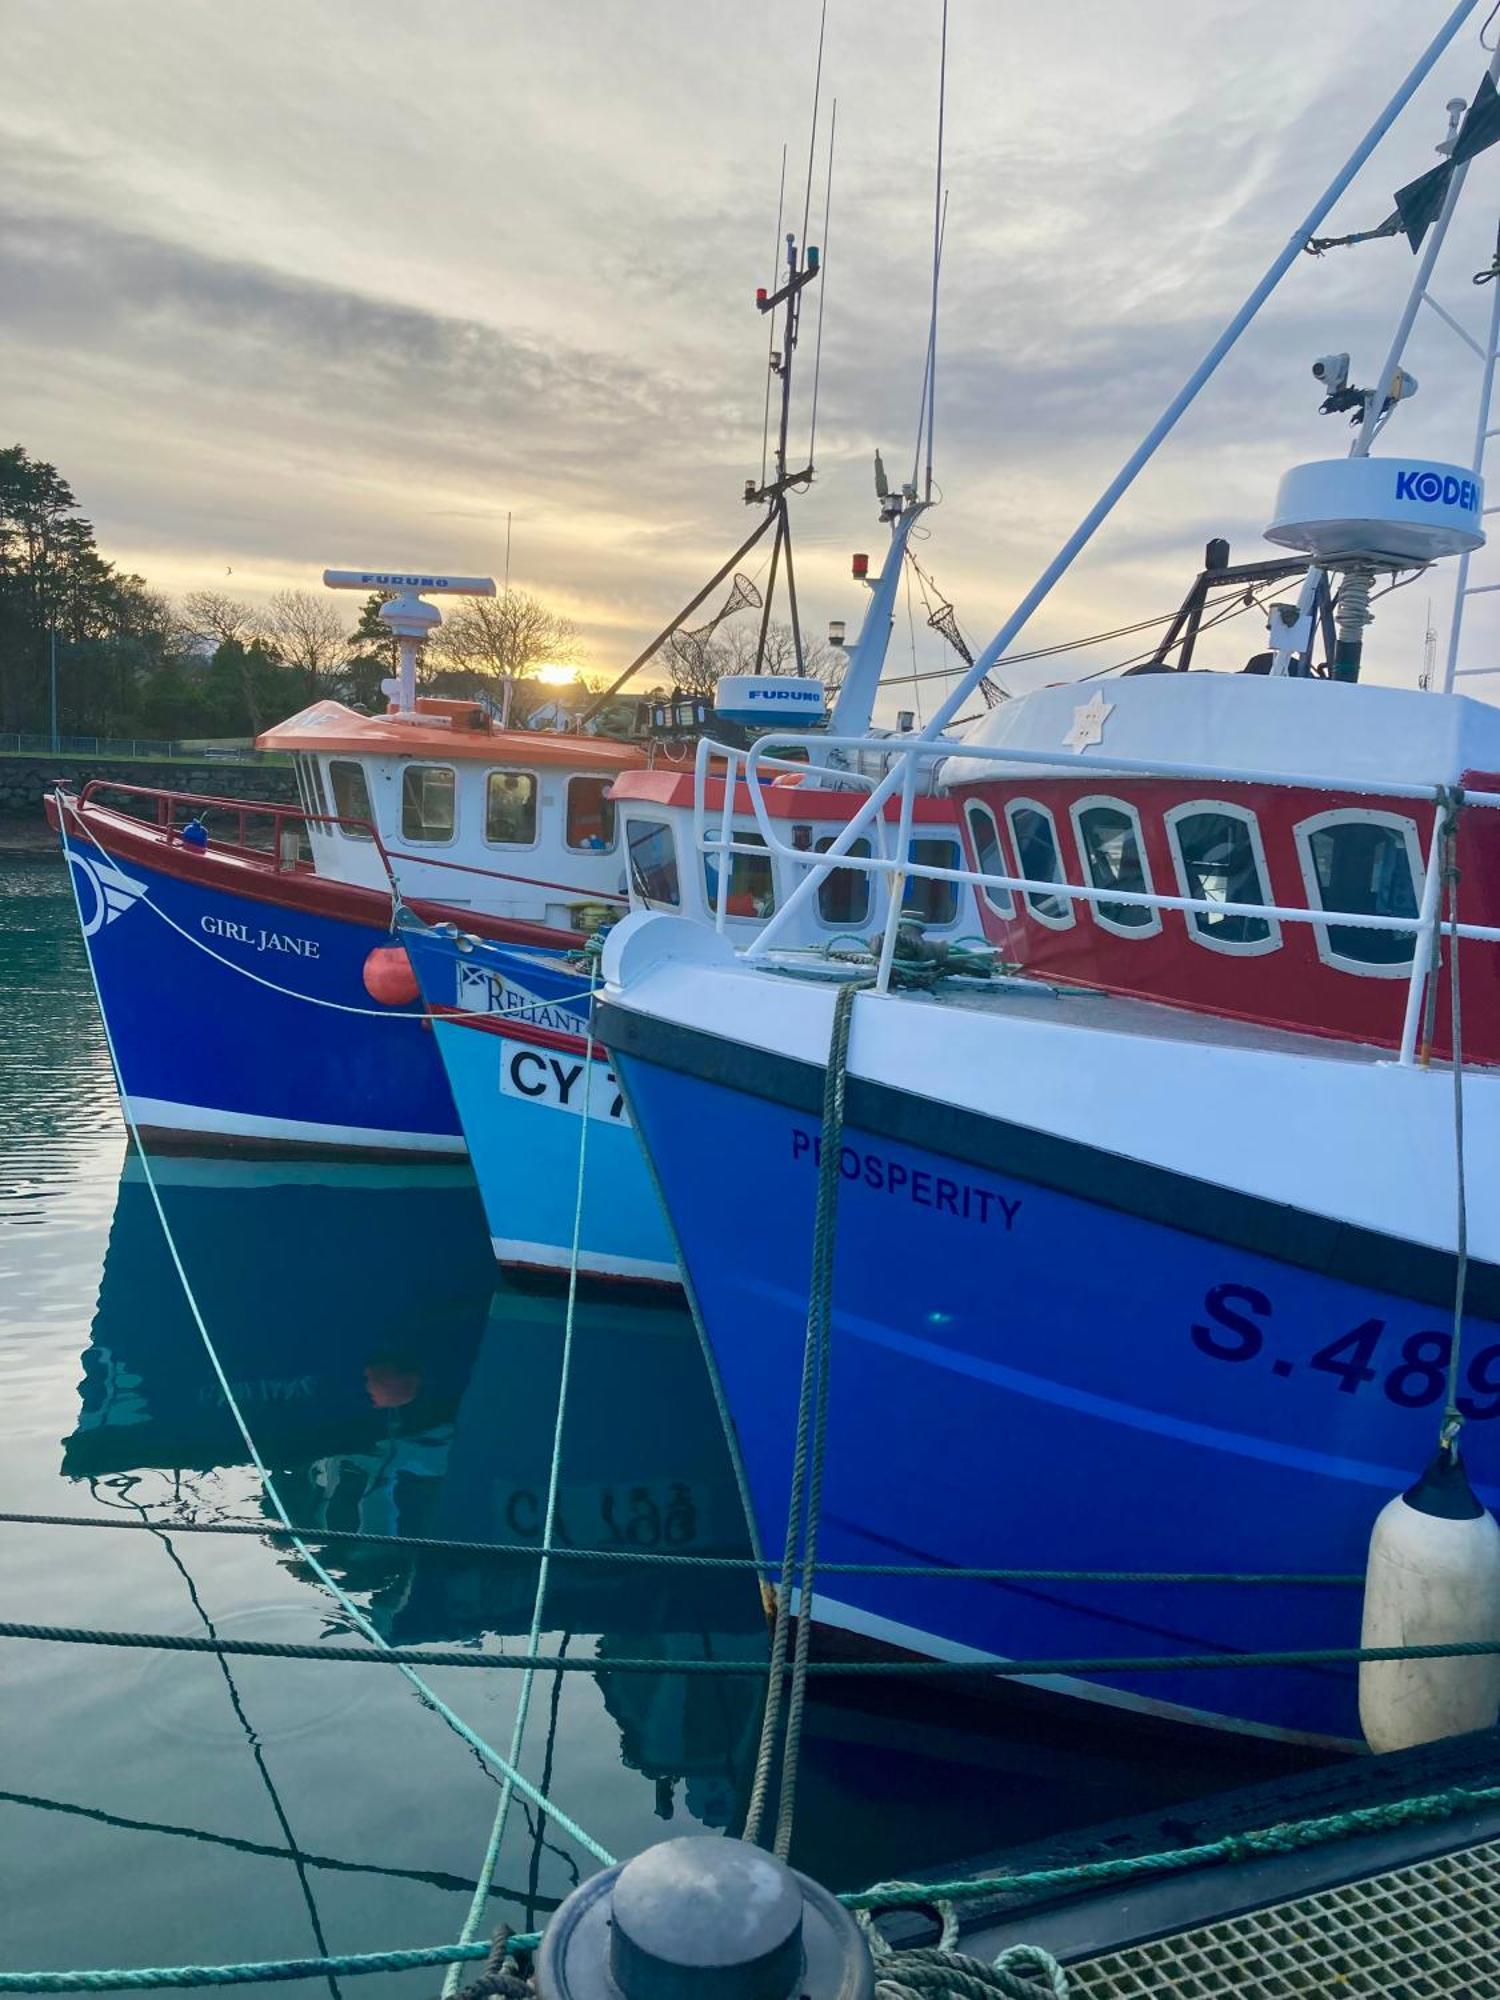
1038 999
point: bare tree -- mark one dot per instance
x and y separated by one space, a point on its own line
505 637
307 632
210 620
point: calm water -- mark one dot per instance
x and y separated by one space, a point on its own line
156 1808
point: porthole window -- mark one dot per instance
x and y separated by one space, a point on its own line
591 816
351 797
653 863
1109 839
931 902
427 802
1368 864
510 808
1039 859
989 856
1217 852
751 890
844 893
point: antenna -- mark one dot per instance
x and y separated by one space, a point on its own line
812 433
408 616
939 222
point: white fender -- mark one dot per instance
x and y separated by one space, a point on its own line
1433 1579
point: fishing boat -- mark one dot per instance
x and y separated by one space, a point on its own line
243 954
526 1071
1156 1257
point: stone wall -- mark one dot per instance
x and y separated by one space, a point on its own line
25 779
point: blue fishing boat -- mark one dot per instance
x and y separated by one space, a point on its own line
1157 1257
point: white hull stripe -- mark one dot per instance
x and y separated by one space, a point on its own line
598 1263
161 1115
911 1639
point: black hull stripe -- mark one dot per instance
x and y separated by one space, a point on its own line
1272 1229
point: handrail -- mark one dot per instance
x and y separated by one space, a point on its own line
165 798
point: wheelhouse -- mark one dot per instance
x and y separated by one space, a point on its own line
1294 840
504 823
668 869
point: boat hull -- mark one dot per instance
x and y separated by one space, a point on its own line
511 1032
247 1024
1035 1365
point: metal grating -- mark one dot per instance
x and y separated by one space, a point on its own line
1429 1930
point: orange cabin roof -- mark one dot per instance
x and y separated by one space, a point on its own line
444 731
788 797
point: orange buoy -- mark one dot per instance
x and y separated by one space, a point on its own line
389 977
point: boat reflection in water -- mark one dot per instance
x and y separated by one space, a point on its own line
394 1391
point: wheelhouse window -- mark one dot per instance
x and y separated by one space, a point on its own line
844 893
1219 858
510 808
653 863
1109 839
351 797
1366 864
1039 859
928 901
428 795
989 855
751 890
591 816
312 783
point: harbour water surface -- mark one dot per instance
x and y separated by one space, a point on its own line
158 1808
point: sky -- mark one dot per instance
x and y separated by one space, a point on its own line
295 283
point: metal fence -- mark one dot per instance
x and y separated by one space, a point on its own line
40 744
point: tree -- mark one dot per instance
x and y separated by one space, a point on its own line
698 665
306 632
491 640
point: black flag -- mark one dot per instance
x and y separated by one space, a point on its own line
1420 202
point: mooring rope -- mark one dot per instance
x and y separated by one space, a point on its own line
346 1603
898 1669
1285 1837
449 1545
473 1922
811 1399
1452 1420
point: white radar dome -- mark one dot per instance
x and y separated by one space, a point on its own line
770 700
1413 510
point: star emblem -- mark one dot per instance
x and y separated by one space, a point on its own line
1088 723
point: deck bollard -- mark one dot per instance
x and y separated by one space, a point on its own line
702 1918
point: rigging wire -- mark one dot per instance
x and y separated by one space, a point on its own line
812 435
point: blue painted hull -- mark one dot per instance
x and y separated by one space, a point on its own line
207 1051
520 1098
1022 1376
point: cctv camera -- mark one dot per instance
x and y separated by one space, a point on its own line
1332 370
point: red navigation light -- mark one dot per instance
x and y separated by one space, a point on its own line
861 568
760 295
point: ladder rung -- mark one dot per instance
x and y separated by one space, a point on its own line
1468 673
1492 510
1479 589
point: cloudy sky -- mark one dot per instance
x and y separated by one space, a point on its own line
289 283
